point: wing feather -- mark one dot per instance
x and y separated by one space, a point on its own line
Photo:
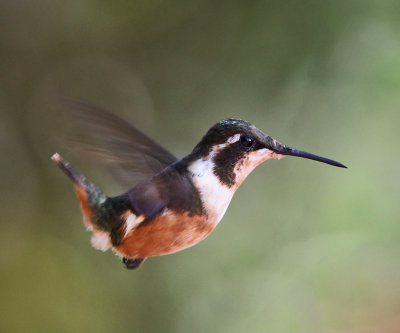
131 155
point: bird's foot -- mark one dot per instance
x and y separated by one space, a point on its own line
133 263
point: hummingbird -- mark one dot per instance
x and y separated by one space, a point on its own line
172 203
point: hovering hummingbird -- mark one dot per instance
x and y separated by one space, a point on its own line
176 203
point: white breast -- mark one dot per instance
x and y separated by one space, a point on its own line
214 195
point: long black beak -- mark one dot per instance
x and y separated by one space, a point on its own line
295 152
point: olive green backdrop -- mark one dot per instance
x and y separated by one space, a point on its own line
304 247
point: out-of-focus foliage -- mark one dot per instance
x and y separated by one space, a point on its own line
304 247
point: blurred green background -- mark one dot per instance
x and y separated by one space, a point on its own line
304 247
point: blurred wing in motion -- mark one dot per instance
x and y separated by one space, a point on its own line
130 154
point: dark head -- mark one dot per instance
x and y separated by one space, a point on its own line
235 147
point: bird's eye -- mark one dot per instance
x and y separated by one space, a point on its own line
246 141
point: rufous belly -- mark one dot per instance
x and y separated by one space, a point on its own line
168 233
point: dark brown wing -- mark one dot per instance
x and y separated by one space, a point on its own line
130 154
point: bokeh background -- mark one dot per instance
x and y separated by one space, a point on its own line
304 247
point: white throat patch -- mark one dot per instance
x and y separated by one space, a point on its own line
215 195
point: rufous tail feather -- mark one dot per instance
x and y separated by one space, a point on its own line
99 211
